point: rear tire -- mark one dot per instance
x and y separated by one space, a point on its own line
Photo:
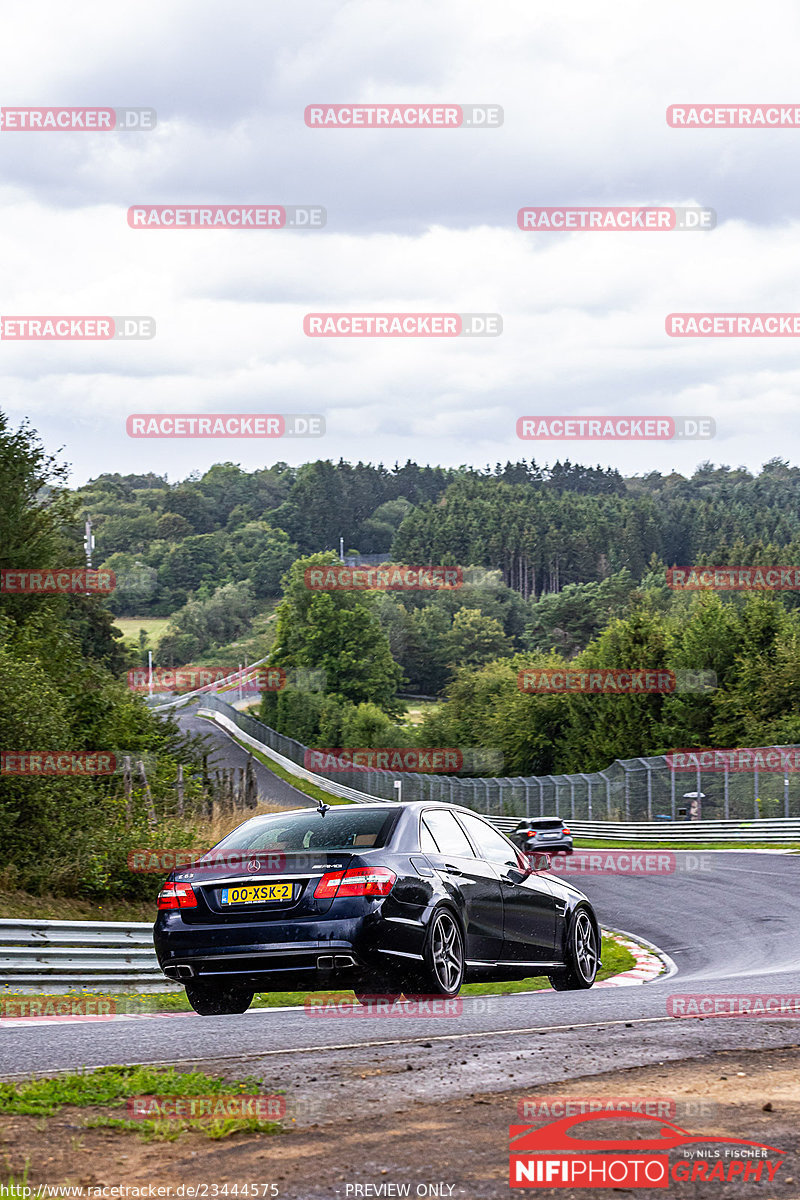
442 972
582 955
216 1000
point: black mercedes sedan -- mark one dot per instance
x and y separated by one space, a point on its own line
386 899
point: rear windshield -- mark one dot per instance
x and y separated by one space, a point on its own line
542 823
345 828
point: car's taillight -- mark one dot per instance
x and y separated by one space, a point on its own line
360 881
565 832
176 895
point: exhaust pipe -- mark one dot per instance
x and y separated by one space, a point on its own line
344 960
330 962
179 971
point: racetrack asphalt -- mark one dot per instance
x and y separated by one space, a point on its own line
729 921
225 752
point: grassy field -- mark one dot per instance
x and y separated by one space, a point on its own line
417 710
130 627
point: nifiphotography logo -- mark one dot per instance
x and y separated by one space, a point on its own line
553 1156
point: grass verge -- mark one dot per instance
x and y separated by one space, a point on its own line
111 1087
615 959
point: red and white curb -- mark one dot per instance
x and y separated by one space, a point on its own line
651 962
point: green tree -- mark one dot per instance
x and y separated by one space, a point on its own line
336 632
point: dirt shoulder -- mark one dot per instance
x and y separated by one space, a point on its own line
459 1146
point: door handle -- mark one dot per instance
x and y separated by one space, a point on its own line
453 868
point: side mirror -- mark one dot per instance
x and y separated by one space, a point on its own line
539 861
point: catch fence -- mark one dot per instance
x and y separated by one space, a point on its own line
629 790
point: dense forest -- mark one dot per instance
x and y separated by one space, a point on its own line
542 528
568 567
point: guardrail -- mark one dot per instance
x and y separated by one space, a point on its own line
516 797
43 956
336 789
235 679
675 831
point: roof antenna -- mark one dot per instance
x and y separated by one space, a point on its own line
322 807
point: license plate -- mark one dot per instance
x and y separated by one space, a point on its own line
551 835
257 893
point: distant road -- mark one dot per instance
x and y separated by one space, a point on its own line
228 753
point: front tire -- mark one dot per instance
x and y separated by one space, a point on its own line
442 973
216 1000
582 955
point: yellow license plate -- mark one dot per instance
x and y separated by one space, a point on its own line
256 893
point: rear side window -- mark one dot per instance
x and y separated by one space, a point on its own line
447 833
426 839
491 844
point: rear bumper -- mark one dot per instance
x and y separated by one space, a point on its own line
550 847
305 955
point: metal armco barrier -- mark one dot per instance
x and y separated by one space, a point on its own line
675 831
630 794
50 956
234 727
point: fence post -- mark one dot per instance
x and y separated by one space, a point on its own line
148 795
649 792
627 794
179 789
756 806
126 776
727 798
572 799
603 775
541 796
527 797
672 789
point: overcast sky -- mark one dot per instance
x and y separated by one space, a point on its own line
417 221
